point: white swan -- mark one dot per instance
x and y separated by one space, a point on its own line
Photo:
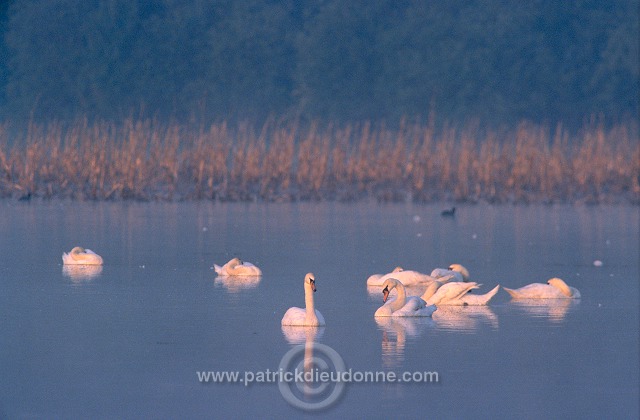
472 299
236 267
79 255
308 317
374 279
554 289
456 294
406 277
401 305
455 272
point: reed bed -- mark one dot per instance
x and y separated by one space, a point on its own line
146 160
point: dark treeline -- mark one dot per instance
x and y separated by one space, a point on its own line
487 60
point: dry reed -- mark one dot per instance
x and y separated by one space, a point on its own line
145 160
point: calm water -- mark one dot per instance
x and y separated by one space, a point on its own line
128 340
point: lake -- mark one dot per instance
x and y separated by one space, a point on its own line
132 338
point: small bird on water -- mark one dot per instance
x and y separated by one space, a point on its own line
448 212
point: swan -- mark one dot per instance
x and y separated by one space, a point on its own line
447 294
308 317
374 279
79 255
456 293
472 299
236 267
455 272
406 277
401 305
554 289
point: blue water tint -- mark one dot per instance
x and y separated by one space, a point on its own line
127 340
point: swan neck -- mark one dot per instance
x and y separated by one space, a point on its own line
401 299
431 290
308 300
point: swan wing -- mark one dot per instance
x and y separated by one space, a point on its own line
294 316
478 300
535 291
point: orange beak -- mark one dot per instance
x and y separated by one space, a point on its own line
385 294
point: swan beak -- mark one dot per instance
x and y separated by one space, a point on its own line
385 294
313 285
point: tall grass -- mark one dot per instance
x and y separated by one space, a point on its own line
145 160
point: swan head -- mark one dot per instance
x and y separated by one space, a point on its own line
311 281
389 284
397 269
234 261
460 269
77 250
560 284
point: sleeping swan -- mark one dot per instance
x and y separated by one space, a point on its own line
455 272
456 293
554 289
236 267
406 277
401 305
79 255
374 279
308 317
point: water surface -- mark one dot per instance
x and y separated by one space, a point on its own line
127 340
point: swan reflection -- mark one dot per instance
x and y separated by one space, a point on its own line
395 331
307 336
464 318
235 284
554 310
301 335
79 273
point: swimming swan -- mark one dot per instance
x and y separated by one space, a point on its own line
308 317
401 305
554 289
79 255
236 267
455 272
456 294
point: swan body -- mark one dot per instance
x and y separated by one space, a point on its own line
406 277
554 289
402 306
456 294
447 294
236 267
374 279
472 299
455 272
81 256
309 316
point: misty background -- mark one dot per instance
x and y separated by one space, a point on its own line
498 62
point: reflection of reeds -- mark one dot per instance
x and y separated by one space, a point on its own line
146 160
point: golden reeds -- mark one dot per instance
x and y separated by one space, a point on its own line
145 160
